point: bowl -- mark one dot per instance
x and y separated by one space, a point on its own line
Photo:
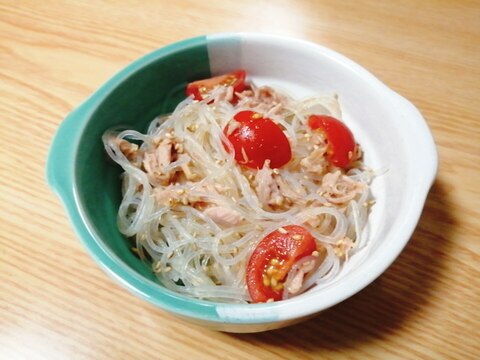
392 132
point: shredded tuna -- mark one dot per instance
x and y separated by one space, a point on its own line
274 191
266 187
288 191
155 162
164 196
189 174
164 152
128 149
297 281
330 179
207 188
315 162
343 247
223 216
264 99
172 195
338 188
358 154
224 93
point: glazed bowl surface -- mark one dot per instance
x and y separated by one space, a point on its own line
391 131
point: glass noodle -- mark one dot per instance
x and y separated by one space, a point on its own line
196 252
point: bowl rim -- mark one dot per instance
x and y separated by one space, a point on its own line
201 309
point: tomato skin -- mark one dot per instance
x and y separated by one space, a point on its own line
261 139
200 88
282 246
341 143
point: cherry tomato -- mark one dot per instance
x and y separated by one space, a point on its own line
201 88
273 258
257 139
341 144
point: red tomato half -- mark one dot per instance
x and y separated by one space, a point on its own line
273 258
341 144
257 139
202 87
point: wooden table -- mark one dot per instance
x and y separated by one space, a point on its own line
55 303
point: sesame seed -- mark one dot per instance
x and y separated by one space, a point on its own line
167 269
157 266
266 281
278 287
297 237
276 171
271 270
274 262
178 147
270 300
315 253
281 230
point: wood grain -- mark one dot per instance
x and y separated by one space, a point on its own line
55 303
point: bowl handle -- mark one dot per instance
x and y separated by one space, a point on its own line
60 160
426 150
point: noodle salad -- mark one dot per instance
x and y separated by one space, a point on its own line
243 194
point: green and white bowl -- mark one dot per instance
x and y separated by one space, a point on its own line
390 129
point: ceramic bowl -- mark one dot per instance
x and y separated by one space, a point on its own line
392 132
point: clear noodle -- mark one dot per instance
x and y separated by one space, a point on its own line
184 165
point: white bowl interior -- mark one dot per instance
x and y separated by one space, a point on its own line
391 131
